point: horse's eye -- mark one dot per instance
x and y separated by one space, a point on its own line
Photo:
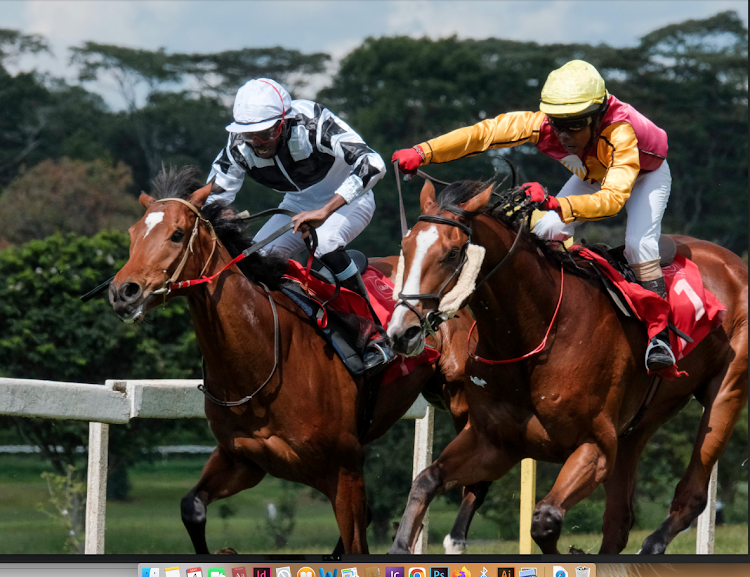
177 236
453 254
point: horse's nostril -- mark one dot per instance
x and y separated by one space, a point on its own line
412 333
130 290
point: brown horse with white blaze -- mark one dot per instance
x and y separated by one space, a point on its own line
571 402
301 423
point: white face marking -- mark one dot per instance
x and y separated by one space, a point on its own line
425 239
152 220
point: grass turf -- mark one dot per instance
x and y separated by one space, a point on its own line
150 522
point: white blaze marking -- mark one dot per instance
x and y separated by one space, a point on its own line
152 220
478 382
425 239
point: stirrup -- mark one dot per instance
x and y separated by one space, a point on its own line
386 356
659 344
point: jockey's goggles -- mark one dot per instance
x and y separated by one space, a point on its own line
264 136
570 125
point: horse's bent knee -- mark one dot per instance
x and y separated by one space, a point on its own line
546 523
428 483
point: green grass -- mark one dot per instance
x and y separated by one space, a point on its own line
150 522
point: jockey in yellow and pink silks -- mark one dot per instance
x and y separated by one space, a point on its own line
617 157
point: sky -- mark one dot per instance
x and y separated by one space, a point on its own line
335 27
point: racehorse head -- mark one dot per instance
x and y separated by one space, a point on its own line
172 240
439 264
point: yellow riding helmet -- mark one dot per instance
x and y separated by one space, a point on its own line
575 89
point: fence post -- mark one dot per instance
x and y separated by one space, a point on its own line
704 542
96 490
528 502
423 429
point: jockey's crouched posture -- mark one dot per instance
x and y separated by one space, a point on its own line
322 166
617 157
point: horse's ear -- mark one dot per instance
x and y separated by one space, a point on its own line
198 198
479 201
427 202
146 200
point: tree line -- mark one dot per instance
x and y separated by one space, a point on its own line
71 169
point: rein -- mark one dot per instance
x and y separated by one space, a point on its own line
172 283
276 347
433 319
169 284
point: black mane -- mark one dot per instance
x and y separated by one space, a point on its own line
181 182
512 208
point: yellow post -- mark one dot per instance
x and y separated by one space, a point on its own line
528 501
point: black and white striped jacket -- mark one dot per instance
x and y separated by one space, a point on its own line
321 156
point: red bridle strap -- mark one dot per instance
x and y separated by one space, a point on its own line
537 350
208 279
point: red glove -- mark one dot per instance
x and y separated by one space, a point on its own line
408 159
536 193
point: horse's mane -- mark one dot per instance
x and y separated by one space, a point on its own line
181 182
512 208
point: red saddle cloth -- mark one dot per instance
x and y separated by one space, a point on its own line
690 307
380 289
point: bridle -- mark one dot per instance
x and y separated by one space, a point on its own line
430 321
172 283
168 285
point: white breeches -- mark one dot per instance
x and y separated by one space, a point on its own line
645 207
339 230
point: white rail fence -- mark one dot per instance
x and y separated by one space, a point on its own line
118 401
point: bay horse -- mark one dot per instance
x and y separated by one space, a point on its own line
571 402
302 425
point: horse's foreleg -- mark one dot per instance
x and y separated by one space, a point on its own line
467 460
584 471
726 396
222 476
349 501
339 548
473 498
619 514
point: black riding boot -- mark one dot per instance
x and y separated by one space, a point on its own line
378 353
658 353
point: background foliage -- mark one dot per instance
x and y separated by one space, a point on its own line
71 169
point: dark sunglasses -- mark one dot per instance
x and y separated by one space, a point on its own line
571 125
264 136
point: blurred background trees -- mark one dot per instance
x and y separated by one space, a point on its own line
71 169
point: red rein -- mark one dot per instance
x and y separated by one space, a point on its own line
208 279
537 350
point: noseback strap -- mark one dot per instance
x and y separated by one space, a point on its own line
460 293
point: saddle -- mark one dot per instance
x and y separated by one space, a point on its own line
692 311
616 258
348 333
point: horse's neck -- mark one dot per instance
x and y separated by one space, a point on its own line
233 321
520 297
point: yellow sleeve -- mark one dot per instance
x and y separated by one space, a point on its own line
617 150
503 131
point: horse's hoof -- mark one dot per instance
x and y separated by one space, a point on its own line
226 551
453 547
575 551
